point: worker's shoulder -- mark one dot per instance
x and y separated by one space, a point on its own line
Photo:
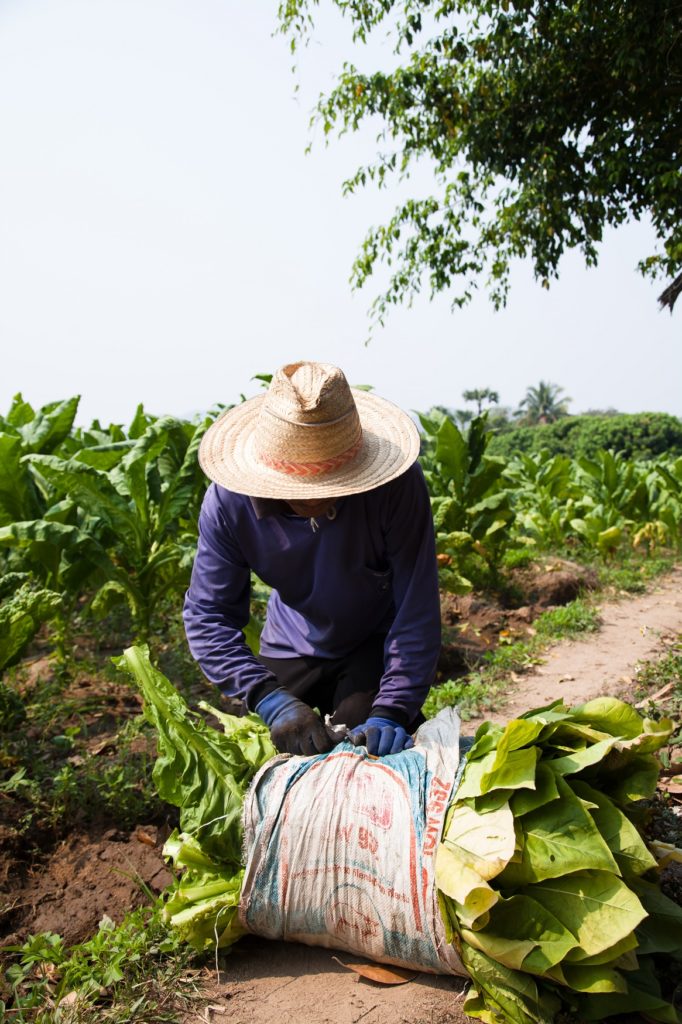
409 480
223 503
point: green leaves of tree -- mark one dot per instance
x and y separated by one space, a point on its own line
544 123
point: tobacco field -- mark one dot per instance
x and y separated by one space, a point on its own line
98 528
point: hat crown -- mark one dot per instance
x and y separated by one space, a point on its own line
307 392
308 423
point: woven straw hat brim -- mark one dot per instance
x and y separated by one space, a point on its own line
390 444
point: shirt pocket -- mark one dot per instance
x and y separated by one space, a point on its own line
380 580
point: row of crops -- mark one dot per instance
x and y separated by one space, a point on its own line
486 506
99 516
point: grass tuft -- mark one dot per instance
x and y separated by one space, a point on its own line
131 972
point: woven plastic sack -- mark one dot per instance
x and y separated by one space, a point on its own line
340 850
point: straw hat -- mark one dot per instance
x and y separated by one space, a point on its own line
309 435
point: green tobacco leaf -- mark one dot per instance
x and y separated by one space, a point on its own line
586 978
557 711
492 801
559 837
546 790
129 478
633 777
202 771
654 735
572 735
109 595
66 553
660 932
516 771
18 496
472 895
484 842
596 906
609 715
486 739
203 907
139 423
11 581
181 494
103 457
481 776
610 955
20 618
523 935
453 454
620 835
49 427
518 733
20 412
510 951
579 760
95 494
513 996
477 1004
643 996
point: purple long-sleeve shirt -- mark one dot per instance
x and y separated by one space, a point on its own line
370 570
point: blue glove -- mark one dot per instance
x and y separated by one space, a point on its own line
294 727
381 736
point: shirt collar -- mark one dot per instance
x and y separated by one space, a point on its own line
274 507
269 507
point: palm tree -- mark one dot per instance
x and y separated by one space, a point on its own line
479 396
542 404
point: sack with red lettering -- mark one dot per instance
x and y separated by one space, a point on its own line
340 850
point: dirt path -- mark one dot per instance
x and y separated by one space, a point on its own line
632 630
278 983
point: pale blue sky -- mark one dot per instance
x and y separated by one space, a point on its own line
163 235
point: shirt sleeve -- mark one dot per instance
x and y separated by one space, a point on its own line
413 641
216 609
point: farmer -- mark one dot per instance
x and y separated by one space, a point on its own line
316 488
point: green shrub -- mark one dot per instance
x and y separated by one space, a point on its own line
636 435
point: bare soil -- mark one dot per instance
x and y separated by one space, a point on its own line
473 624
87 877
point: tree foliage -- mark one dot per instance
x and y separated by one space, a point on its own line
545 122
634 435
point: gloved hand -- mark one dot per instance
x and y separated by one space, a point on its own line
294 727
381 736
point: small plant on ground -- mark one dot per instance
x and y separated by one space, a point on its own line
128 972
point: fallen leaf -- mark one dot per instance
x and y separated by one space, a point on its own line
106 744
144 837
666 853
670 785
379 973
656 696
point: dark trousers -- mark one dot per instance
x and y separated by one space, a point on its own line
344 688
